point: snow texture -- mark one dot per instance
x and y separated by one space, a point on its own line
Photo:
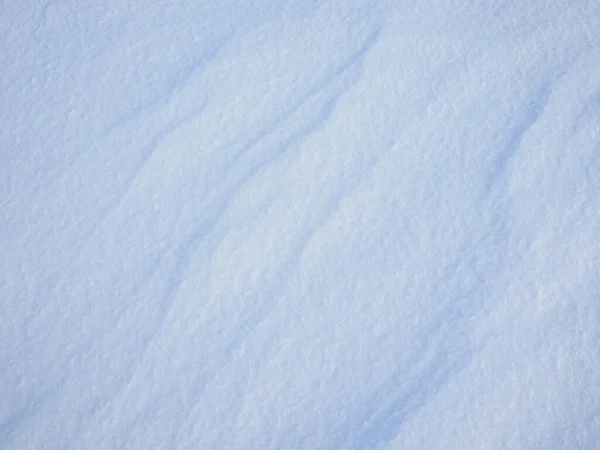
300 224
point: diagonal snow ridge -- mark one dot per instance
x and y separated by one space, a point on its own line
514 140
283 224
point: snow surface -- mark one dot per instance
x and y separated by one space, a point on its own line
300 224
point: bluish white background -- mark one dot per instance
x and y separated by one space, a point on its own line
300 224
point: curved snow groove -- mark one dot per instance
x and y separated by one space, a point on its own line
152 111
350 68
149 113
323 98
119 198
142 115
224 200
270 289
398 399
395 327
146 154
532 114
182 78
218 201
441 347
391 406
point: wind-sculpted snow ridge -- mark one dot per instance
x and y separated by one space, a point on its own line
324 225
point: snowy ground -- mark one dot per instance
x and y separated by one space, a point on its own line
300 224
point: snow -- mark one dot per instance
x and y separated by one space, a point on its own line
283 224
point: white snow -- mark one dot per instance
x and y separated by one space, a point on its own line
300 224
